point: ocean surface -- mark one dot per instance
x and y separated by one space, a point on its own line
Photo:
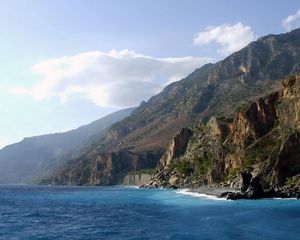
42 212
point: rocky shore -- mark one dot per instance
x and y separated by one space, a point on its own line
233 194
212 191
250 188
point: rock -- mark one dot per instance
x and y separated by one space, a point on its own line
176 147
173 180
255 190
269 193
234 196
224 194
246 178
136 178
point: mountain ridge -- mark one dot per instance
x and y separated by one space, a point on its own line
214 89
35 157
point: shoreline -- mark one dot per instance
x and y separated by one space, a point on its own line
211 191
215 193
188 192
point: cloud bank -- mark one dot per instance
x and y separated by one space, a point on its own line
231 37
108 79
291 21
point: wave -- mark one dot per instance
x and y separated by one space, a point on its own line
130 186
278 198
207 196
199 195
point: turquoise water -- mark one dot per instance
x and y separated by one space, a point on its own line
41 212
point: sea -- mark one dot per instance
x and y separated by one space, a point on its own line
51 212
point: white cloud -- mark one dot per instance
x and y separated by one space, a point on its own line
231 37
116 78
291 21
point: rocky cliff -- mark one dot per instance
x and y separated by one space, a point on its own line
260 147
136 179
212 90
106 169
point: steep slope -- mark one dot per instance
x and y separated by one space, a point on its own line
34 157
214 89
262 143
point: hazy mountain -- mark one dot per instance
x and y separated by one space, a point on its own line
214 89
37 156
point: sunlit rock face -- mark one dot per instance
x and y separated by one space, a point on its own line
263 141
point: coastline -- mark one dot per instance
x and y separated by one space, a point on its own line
212 191
206 192
215 193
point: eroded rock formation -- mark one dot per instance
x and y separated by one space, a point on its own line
258 152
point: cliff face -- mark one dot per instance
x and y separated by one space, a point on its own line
176 147
263 139
212 90
106 169
136 179
103 171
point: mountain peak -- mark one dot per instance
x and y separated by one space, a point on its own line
214 89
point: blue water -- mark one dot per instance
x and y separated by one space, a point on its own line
41 212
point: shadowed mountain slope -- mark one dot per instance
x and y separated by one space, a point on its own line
36 157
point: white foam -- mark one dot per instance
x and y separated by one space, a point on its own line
284 198
188 192
199 195
130 186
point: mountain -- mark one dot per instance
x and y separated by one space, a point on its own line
215 89
260 148
36 157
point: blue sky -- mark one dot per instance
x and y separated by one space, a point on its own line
65 63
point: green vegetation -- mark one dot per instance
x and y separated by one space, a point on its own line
184 167
233 173
202 165
149 171
261 151
276 123
290 181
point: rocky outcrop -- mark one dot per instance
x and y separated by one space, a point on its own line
246 179
258 152
176 148
188 168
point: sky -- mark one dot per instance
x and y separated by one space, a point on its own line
65 63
